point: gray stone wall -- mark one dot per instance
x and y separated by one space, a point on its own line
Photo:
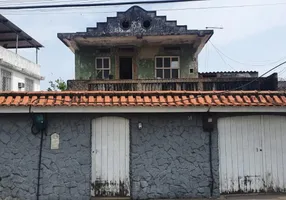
65 172
170 157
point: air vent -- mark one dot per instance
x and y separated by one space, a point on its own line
125 24
21 85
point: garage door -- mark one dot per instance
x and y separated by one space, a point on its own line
110 157
252 153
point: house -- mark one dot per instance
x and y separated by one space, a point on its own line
140 140
17 73
138 50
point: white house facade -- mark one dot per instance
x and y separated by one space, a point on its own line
16 72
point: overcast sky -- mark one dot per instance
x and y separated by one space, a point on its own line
254 36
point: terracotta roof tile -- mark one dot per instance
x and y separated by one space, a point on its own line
145 98
131 101
139 100
115 100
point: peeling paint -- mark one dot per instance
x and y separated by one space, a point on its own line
145 61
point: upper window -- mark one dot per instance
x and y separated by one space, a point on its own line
102 66
167 67
29 84
6 80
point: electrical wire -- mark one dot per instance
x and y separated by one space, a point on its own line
72 10
223 59
242 63
92 4
48 2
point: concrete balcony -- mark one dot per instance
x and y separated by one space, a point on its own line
191 84
18 63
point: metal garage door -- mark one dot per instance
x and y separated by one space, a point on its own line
252 154
110 157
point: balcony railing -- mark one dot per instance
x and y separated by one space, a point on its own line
194 84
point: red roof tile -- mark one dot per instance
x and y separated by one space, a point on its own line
144 98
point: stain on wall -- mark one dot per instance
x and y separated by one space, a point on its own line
65 172
170 158
145 60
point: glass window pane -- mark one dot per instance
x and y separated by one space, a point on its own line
159 62
106 63
175 59
175 73
106 74
167 73
99 74
167 62
159 73
99 63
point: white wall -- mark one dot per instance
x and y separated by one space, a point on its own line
18 61
20 68
18 77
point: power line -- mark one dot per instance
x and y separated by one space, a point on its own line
222 58
31 2
242 63
166 9
93 4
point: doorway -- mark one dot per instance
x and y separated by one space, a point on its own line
252 154
125 67
110 157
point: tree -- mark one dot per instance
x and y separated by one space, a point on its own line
59 84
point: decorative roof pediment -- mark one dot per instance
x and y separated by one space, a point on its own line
138 22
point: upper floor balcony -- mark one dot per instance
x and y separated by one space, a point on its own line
18 63
205 82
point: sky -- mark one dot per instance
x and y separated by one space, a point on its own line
248 38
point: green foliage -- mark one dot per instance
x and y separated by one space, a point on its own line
59 84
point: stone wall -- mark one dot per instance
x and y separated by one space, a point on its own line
65 172
170 157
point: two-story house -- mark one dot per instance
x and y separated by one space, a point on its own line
142 125
16 72
138 50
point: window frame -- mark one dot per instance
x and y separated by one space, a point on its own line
170 68
103 69
1 79
33 84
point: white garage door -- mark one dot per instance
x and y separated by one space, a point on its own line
252 154
110 157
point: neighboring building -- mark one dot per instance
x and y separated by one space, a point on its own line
17 73
143 145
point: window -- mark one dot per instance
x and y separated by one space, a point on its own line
6 80
167 67
29 84
102 66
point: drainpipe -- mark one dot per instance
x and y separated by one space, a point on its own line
211 165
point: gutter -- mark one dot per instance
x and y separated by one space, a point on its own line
145 109
21 70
